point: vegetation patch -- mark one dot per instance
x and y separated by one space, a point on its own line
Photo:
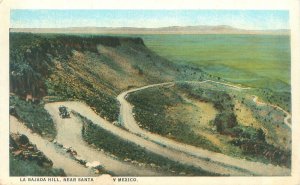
74 87
34 58
33 115
150 111
19 167
280 98
131 152
222 102
253 143
279 134
26 160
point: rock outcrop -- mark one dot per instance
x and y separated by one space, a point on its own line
21 147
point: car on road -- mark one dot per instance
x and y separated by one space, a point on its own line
63 112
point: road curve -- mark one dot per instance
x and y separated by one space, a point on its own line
175 155
288 115
129 122
69 134
71 167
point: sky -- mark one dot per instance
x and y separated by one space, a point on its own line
244 19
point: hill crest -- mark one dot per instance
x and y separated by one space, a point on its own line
201 29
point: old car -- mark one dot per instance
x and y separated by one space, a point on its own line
63 112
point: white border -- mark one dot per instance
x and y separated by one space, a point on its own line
292 5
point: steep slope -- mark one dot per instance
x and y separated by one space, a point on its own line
90 68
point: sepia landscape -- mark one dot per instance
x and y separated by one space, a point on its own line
166 101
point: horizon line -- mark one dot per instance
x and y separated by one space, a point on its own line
120 27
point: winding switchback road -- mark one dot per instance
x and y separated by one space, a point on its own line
128 121
69 134
174 155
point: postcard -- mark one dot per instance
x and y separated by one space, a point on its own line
143 92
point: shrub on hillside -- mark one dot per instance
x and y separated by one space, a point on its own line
150 111
126 150
34 116
18 167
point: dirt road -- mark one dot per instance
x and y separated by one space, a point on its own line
209 161
69 134
287 119
129 122
59 158
179 156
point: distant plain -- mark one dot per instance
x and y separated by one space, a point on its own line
255 60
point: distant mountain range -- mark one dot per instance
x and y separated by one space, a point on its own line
222 29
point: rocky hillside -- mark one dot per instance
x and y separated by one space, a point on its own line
27 160
90 68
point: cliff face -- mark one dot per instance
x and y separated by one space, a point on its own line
32 56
